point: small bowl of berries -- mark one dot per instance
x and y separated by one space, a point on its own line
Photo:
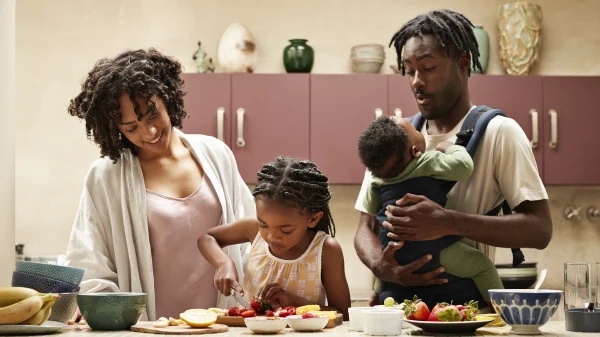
266 324
307 322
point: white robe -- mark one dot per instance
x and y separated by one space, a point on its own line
110 234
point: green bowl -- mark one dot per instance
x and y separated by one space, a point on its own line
111 311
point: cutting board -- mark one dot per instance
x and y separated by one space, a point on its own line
238 321
182 329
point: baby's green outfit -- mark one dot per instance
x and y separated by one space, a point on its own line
458 259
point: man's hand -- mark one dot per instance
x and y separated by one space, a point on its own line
416 218
387 269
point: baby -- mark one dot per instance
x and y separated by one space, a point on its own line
394 152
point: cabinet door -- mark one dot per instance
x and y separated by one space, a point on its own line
271 119
341 108
575 158
208 104
520 97
400 97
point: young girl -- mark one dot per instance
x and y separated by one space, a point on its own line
294 259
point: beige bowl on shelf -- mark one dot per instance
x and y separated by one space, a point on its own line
369 65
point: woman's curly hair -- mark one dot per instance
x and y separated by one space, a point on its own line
139 73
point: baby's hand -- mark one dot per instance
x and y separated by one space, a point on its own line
443 146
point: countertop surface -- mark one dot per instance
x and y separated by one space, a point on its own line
552 328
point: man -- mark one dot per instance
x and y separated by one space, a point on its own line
435 50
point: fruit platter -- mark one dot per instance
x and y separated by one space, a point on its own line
235 316
444 318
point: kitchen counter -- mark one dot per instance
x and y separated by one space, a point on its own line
553 328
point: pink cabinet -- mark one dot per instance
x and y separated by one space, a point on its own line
400 97
208 104
341 107
521 98
570 136
270 118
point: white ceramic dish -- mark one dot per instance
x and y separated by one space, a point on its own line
265 325
48 327
355 314
383 322
298 323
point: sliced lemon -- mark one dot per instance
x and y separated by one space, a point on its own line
306 308
198 318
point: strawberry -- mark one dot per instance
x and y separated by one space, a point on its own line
260 306
435 311
248 313
309 315
416 309
284 313
449 314
233 311
291 310
270 313
469 310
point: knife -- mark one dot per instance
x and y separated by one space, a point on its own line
244 302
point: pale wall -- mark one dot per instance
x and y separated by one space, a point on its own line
58 41
7 148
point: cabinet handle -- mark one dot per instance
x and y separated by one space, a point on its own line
534 128
378 113
398 113
240 128
554 128
220 117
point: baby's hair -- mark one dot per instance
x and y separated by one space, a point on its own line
380 141
299 183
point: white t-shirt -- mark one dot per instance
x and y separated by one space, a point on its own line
505 168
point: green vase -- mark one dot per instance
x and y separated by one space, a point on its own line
483 40
298 57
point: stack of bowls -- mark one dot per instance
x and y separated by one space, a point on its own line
367 58
51 278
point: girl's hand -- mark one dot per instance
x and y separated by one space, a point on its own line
226 278
276 295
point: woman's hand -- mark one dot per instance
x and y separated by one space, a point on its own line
226 278
77 318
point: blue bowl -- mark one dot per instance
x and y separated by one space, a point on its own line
67 274
524 309
42 284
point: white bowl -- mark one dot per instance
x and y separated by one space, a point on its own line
355 314
265 325
298 323
383 322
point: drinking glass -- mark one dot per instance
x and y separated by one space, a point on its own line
577 285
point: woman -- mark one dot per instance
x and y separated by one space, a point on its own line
154 190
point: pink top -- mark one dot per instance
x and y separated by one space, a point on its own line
183 279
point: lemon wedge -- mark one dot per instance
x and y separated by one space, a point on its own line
198 318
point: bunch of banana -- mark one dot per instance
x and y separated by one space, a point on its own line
25 306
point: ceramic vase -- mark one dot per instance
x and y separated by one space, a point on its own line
298 57
520 32
237 49
483 40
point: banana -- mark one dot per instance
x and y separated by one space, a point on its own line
12 295
42 315
21 311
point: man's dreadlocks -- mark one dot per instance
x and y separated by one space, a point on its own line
452 29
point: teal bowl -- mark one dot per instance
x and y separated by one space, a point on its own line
112 311
67 274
